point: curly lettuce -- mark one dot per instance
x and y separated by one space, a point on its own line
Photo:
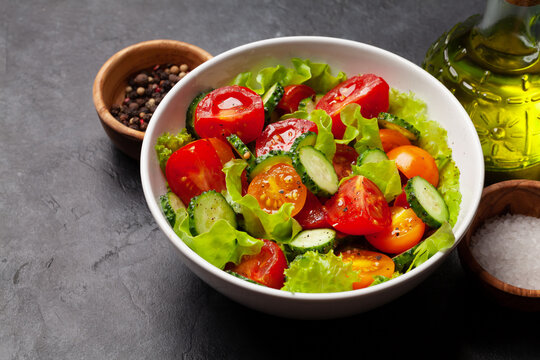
317 76
220 245
314 272
167 143
384 174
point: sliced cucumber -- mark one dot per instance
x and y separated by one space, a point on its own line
320 240
307 138
170 204
389 121
371 156
265 162
426 201
190 114
308 104
270 100
206 209
317 172
241 149
404 260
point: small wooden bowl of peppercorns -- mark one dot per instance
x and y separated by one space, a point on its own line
132 83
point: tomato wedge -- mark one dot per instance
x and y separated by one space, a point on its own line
404 232
413 161
267 267
292 96
368 264
196 168
278 185
343 160
369 91
230 110
358 208
281 135
391 139
401 200
313 214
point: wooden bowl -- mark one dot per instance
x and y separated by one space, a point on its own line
514 197
112 78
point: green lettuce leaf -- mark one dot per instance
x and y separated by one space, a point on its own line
317 76
433 139
279 226
325 139
379 279
313 272
166 144
441 239
220 245
384 174
364 131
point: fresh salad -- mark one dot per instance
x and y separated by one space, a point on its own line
303 181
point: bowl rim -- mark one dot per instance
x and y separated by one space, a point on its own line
99 81
193 257
467 256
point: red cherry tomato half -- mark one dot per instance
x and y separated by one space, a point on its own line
413 161
391 139
223 149
281 135
267 267
369 91
403 233
313 214
194 169
292 96
358 208
343 160
230 110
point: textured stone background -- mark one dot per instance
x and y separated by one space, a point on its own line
84 271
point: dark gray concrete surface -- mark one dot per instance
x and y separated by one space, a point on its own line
84 271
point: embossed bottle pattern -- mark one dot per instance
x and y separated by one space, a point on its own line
492 65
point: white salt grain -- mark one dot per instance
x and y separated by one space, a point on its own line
508 247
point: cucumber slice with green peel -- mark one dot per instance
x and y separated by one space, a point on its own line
371 156
170 204
241 149
320 240
307 105
270 100
307 138
206 209
190 114
316 171
404 260
389 121
426 202
265 162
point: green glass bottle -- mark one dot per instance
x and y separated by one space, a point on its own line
491 63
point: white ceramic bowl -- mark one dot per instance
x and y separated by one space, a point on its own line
342 55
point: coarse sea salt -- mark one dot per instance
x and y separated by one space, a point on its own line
508 247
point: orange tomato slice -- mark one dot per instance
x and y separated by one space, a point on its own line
278 185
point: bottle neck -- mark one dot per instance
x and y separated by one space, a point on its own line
506 39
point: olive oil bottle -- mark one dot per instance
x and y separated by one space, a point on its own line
491 63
